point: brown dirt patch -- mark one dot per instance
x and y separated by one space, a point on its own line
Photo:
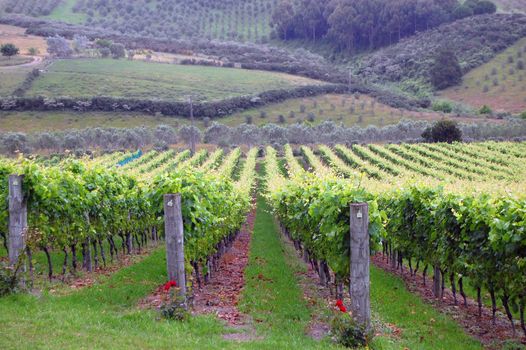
221 294
17 36
489 334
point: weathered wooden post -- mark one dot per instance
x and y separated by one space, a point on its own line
360 282
17 218
173 227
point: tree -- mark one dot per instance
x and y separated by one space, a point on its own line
190 134
117 51
101 43
282 19
483 7
462 11
59 47
443 131
166 134
80 43
9 50
446 70
105 52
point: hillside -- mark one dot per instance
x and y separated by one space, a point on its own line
133 79
241 20
499 84
511 6
474 41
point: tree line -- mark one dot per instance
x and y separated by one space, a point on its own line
355 25
328 133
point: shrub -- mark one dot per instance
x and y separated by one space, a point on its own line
311 117
520 65
485 89
484 6
494 71
281 119
117 51
485 110
292 114
523 115
9 50
105 52
303 108
347 332
248 119
442 106
446 70
443 131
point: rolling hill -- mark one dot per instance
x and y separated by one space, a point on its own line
499 84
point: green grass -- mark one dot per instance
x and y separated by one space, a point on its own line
37 121
103 316
134 79
64 13
11 78
510 93
422 326
350 110
272 296
14 61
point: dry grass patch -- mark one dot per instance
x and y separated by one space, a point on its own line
17 36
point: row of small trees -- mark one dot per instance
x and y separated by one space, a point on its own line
59 46
326 133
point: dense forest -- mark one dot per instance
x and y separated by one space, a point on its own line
368 24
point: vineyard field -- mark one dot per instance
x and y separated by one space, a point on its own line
459 208
437 206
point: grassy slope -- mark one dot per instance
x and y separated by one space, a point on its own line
354 110
123 78
35 121
237 19
64 13
509 95
17 36
14 61
511 6
11 78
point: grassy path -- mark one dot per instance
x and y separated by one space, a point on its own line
272 296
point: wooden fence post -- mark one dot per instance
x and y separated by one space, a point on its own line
173 226
360 275
17 218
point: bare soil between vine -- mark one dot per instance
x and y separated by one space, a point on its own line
482 328
220 296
